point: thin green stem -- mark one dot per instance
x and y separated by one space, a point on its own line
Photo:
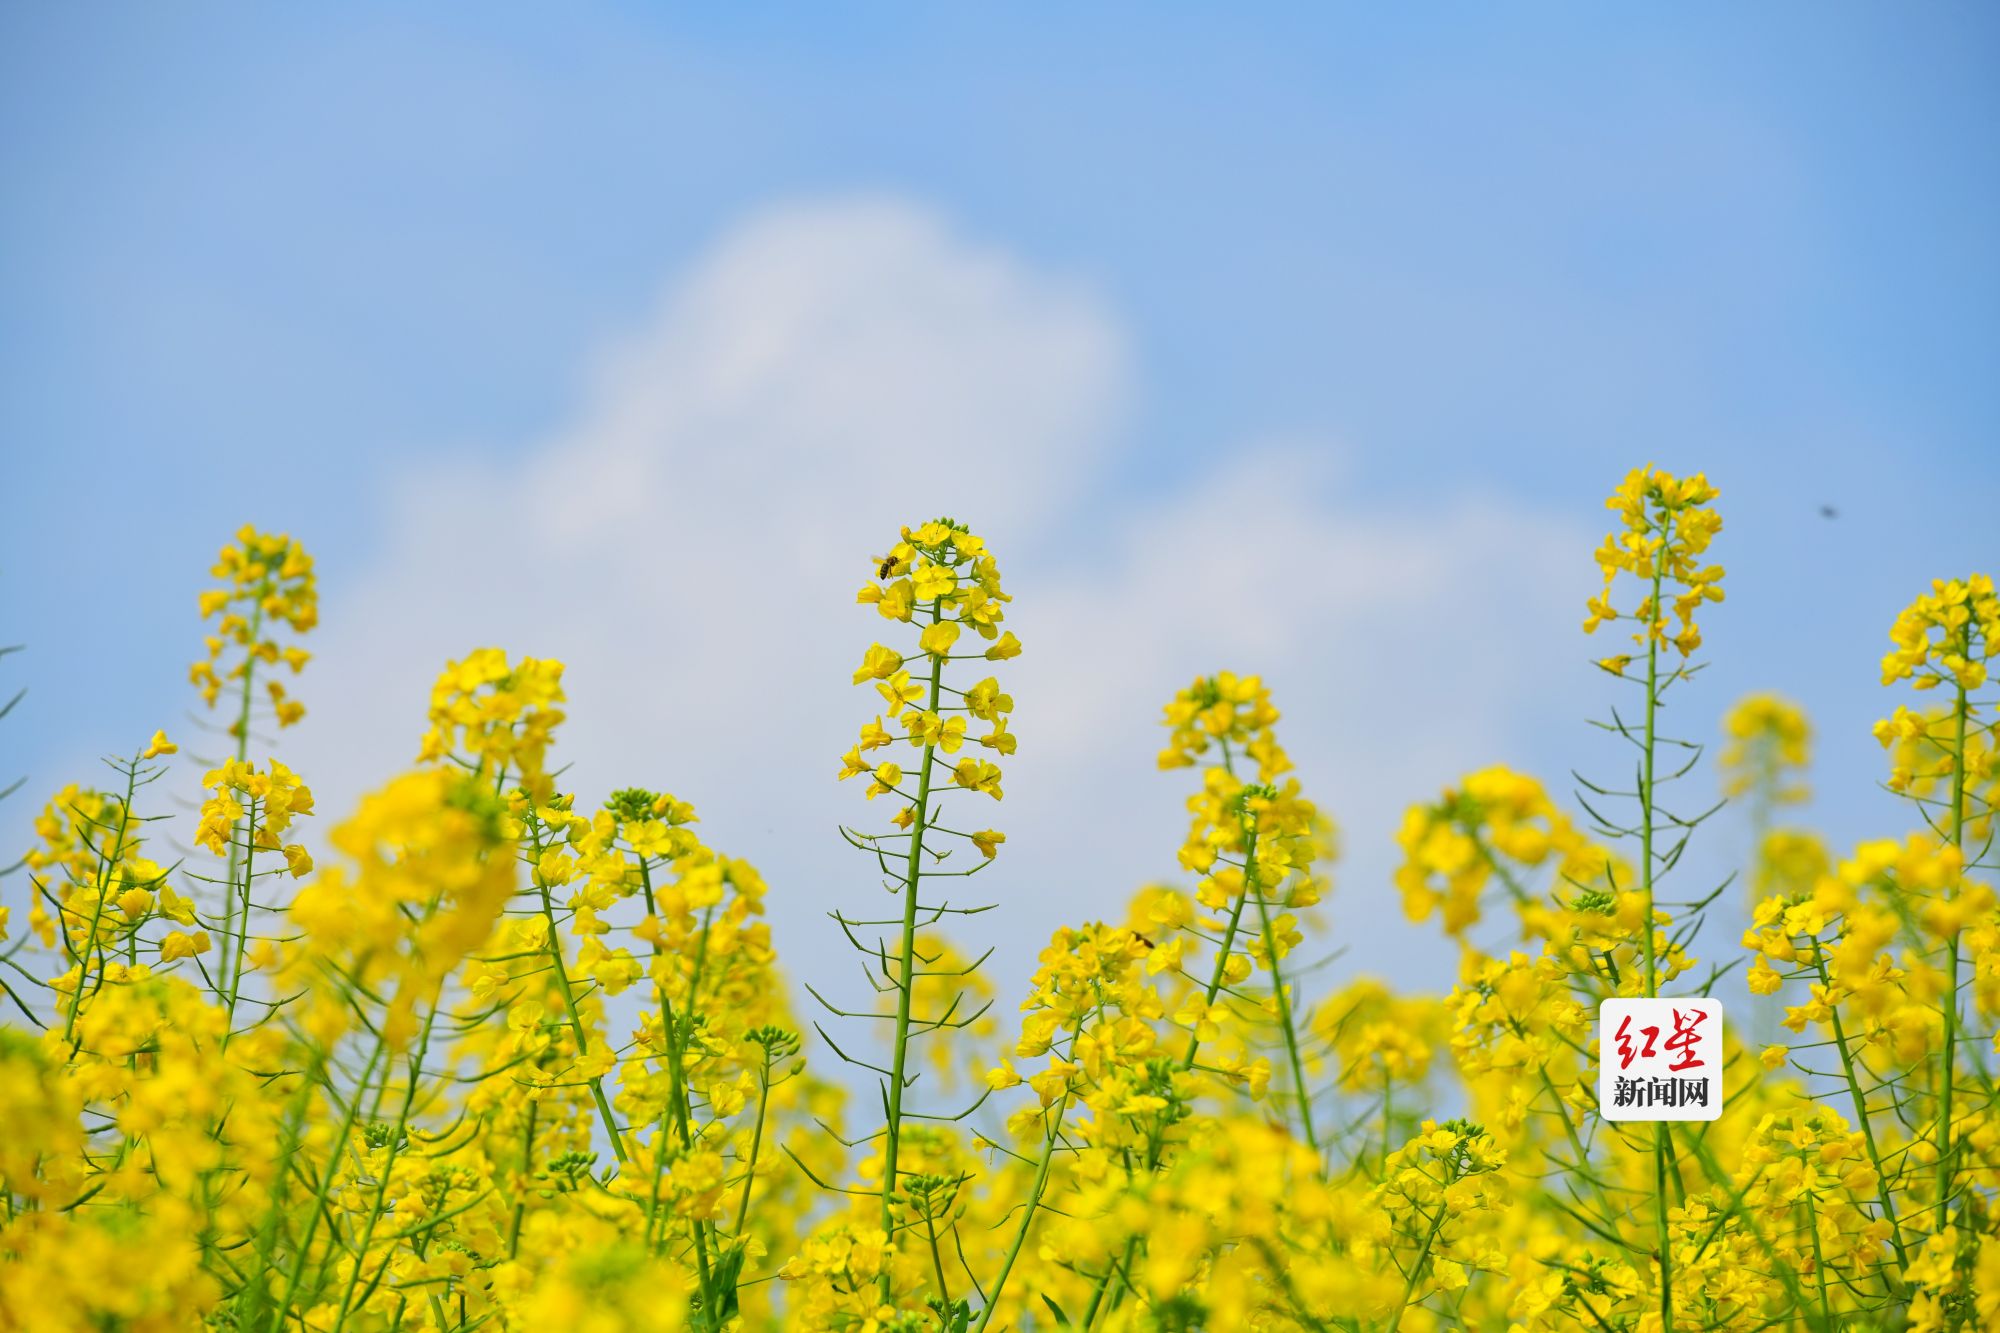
1388 1116
527 1174
1819 1262
1215 977
1417 1268
251 1298
1229 931
756 1144
1577 1146
321 1193
1781 1266
678 1104
105 866
1303 1093
240 729
249 849
937 1272
1040 1185
569 1002
1646 781
397 1137
1035 1192
1886 1195
912 877
1222 954
1949 1074
1663 1237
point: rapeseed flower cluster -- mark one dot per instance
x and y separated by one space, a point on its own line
507 1058
1668 525
267 586
1767 750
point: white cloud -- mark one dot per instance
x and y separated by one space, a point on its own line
690 547
1404 648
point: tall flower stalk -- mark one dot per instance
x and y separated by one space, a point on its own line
1667 526
267 593
1943 642
940 581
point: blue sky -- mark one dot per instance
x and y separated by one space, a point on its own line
1361 313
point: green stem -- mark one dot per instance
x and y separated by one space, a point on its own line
1781 1266
241 730
912 876
321 1193
105 866
569 1002
937 1270
1886 1195
527 1174
251 1298
1417 1268
1662 1232
243 936
756 1144
397 1136
678 1104
1118 1272
1229 931
1040 1186
1949 1074
1215 978
1035 1192
1304 1094
1819 1263
1576 1144
1646 782
1388 1116
1104 1283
